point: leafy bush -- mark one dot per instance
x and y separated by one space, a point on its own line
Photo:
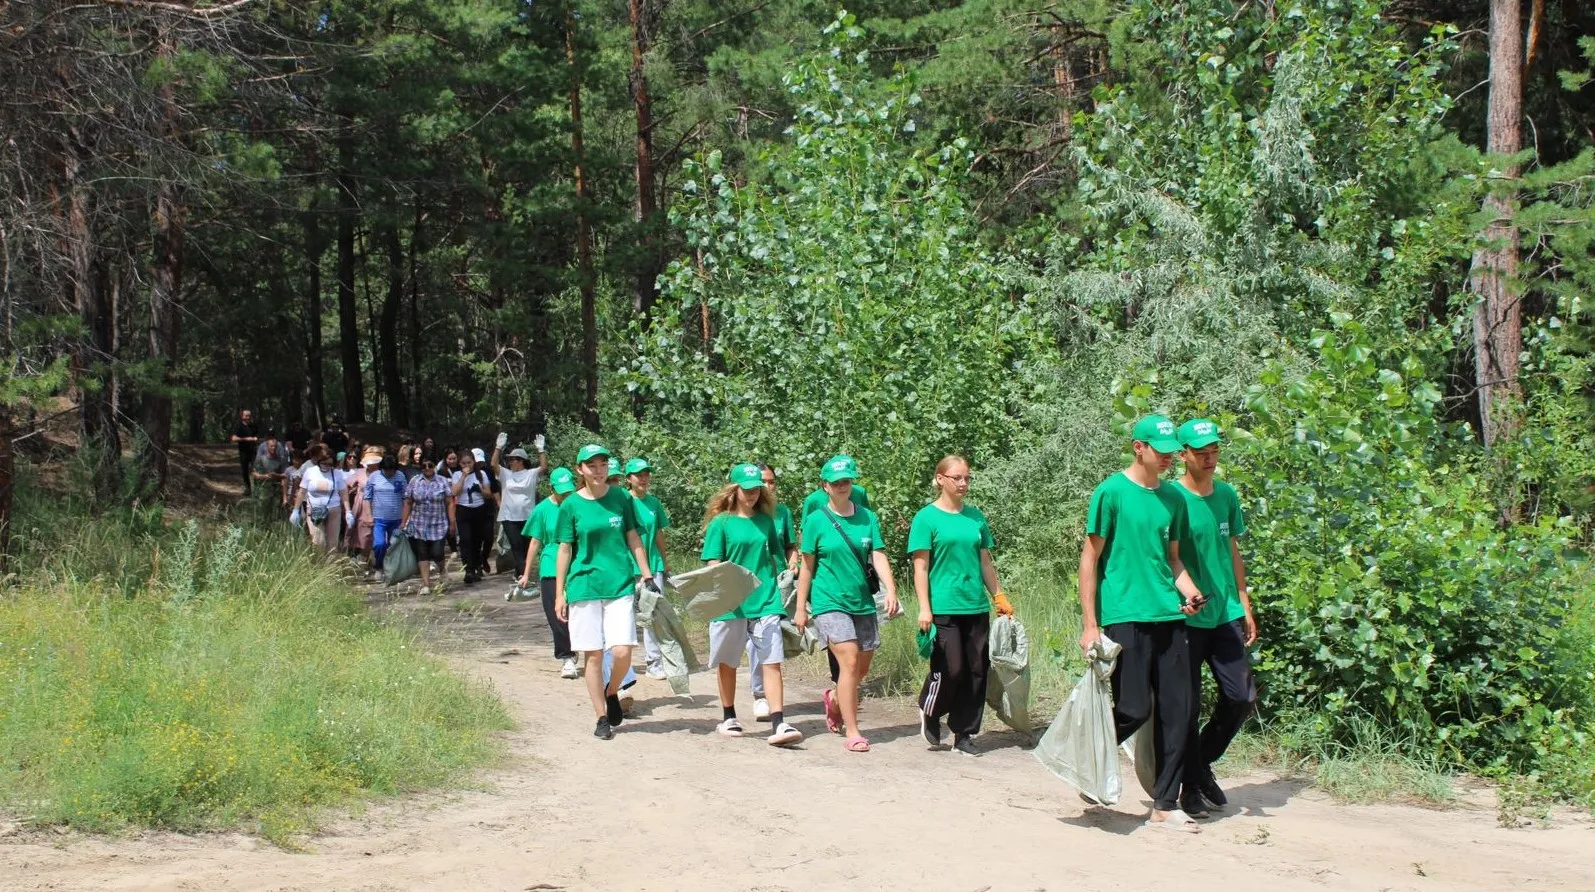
1387 585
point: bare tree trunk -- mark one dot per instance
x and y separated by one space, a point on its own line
388 331
584 235
648 265
1497 320
354 405
166 283
315 383
86 284
410 281
8 470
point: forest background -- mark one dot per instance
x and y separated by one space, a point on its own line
1355 233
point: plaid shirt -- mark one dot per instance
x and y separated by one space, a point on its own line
429 513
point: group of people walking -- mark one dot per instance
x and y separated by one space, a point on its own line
1161 575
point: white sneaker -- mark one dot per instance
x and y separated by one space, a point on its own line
786 735
424 591
626 699
761 711
656 671
730 728
568 670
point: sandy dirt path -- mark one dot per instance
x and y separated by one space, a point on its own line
670 805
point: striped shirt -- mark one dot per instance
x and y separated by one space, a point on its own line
386 495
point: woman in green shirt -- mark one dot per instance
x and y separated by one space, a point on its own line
950 545
739 527
600 559
653 518
841 547
542 563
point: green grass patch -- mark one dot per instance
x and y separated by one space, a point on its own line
158 680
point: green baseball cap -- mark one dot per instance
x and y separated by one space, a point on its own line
1199 432
562 480
637 466
746 475
1157 432
840 467
590 451
614 467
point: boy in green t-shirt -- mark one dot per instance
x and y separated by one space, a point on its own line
1135 590
654 520
1220 633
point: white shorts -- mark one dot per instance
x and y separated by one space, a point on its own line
600 625
728 639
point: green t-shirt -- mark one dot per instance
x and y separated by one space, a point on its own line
651 518
839 583
1205 551
954 542
541 526
1134 581
752 544
785 529
818 498
602 568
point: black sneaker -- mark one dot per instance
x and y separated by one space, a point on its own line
1210 789
966 745
930 728
612 707
1194 805
604 731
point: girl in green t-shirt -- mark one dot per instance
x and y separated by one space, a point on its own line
542 563
600 558
841 542
950 545
739 527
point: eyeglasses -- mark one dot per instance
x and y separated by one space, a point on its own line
957 478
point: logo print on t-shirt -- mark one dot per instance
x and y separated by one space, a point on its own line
1223 528
614 522
1163 533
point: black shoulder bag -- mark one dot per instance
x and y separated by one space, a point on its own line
872 580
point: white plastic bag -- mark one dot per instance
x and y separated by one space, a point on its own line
1079 745
714 591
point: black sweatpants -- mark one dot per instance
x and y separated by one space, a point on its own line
244 463
956 685
476 537
559 627
1156 659
518 546
1223 649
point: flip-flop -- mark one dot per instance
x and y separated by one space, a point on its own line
1175 821
833 715
857 745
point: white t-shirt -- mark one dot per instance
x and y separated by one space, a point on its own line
467 498
323 489
517 492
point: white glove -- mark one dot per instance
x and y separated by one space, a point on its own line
348 518
502 441
539 442
297 518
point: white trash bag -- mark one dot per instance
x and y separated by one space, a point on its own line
1079 746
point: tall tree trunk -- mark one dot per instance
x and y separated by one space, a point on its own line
166 283
584 235
1497 320
87 283
315 383
388 332
416 402
648 263
354 404
8 469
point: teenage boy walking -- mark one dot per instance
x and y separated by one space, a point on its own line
1134 589
1222 631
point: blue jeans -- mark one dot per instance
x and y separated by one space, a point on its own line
609 663
381 533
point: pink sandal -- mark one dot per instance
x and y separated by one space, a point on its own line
833 714
857 745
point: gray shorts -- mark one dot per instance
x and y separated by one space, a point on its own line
835 627
729 638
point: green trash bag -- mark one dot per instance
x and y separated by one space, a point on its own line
1079 746
714 591
1008 682
399 563
656 614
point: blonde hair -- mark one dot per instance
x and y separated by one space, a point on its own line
725 501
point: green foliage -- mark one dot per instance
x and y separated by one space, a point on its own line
848 304
1387 586
190 682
